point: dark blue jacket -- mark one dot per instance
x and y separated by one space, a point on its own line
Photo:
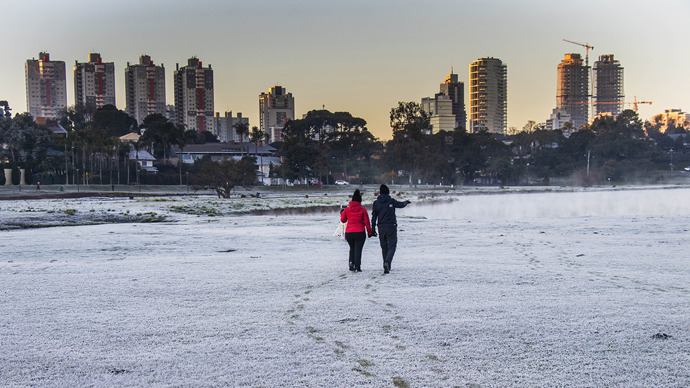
383 211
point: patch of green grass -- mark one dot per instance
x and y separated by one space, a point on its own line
70 212
363 372
198 211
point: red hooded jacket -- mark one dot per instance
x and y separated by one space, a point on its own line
356 217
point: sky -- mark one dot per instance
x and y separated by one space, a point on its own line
359 56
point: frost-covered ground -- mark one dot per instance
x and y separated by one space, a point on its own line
587 288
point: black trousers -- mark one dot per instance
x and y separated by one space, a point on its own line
356 241
388 237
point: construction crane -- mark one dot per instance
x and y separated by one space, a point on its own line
586 46
634 103
638 102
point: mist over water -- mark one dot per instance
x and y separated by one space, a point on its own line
550 205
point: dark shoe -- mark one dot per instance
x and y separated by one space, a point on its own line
386 267
352 267
359 270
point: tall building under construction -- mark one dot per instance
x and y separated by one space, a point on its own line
488 96
572 94
608 83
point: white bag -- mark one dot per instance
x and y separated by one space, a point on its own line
340 231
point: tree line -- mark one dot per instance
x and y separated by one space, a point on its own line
325 146
328 146
92 152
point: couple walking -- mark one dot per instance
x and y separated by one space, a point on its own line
357 218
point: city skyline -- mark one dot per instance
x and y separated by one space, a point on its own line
358 56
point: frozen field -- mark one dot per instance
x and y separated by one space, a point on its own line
582 289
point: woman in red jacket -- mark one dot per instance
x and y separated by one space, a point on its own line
357 220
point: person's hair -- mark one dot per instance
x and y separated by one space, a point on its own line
357 196
384 189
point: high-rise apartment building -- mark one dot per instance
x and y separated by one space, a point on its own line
558 120
94 82
572 94
224 127
608 83
194 96
145 89
488 96
275 108
46 94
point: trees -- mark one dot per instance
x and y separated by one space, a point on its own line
407 150
225 175
607 148
195 137
94 135
621 138
257 136
24 139
241 129
76 117
161 134
473 152
302 154
113 122
6 111
324 142
408 119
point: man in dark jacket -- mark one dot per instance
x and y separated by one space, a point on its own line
383 215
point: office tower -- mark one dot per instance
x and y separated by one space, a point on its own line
194 96
488 96
572 95
94 82
46 94
275 108
608 81
440 111
145 89
446 109
455 90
